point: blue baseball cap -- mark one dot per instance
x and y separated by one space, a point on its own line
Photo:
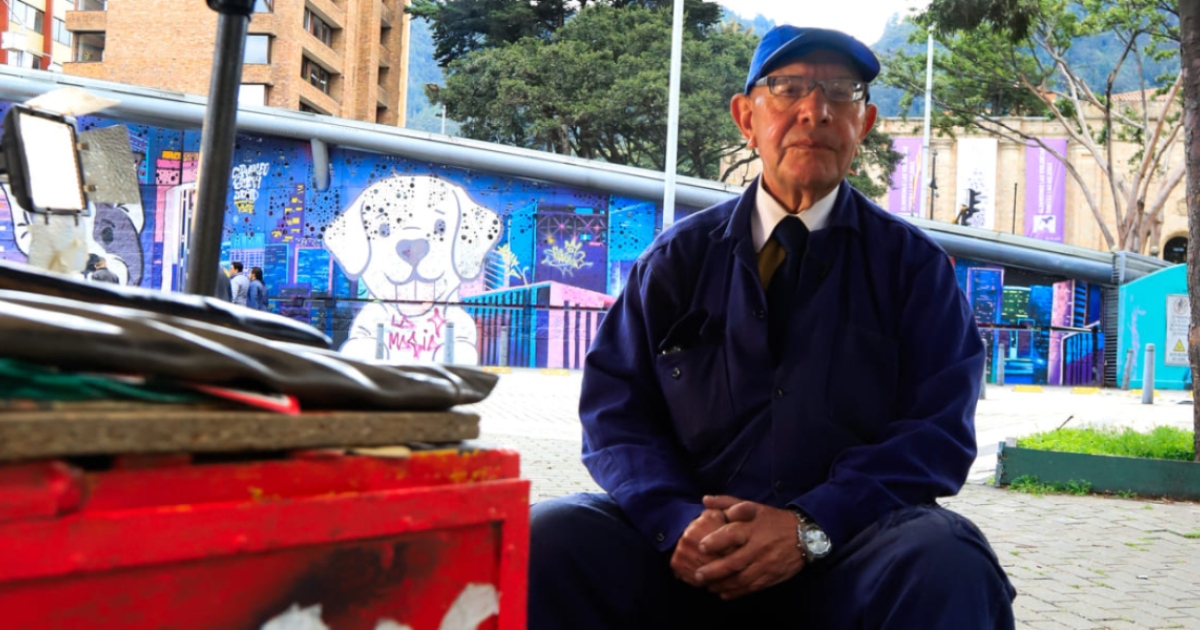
786 43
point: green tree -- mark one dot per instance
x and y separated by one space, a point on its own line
1008 59
597 89
464 26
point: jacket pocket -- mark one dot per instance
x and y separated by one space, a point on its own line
695 383
863 382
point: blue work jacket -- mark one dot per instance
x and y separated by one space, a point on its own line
871 407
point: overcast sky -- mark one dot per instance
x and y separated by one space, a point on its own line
864 19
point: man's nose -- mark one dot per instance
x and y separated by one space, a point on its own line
814 108
412 251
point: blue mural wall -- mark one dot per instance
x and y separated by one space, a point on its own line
446 263
1047 327
408 249
1145 304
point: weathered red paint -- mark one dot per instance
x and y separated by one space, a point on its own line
234 545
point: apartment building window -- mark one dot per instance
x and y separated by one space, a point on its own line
94 5
26 16
89 47
258 49
319 29
264 6
252 94
61 34
20 59
315 75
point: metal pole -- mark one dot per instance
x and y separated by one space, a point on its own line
673 115
443 119
983 379
1000 365
1148 376
932 182
504 346
379 344
216 145
1014 217
926 168
448 345
1127 373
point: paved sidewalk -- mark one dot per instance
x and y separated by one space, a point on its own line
1078 562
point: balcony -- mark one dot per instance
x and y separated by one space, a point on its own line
385 15
87 21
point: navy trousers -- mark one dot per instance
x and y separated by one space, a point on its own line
919 568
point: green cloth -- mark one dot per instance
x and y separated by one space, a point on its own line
19 379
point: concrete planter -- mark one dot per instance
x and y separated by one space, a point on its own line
1145 477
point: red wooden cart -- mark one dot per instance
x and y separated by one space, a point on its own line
314 539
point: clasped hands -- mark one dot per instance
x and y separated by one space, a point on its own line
737 547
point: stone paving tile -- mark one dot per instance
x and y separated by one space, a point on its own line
1078 562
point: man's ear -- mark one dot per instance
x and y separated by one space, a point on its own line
868 120
742 110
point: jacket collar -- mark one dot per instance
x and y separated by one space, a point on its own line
844 214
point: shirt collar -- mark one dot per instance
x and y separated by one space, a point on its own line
768 212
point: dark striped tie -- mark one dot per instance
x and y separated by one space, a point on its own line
792 235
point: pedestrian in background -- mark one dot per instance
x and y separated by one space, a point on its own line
257 296
223 290
102 273
239 284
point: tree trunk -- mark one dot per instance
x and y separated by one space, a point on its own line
1189 55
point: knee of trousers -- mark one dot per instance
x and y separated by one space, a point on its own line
944 551
575 529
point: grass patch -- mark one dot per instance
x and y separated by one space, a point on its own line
1030 484
1161 443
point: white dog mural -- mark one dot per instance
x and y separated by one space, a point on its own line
412 241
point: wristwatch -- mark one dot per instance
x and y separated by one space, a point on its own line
813 542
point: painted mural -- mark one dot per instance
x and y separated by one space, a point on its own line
1046 328
411 261
419 262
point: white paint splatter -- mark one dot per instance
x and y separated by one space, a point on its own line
474 605
296 618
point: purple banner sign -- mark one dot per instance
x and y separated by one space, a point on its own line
905 194
1045 191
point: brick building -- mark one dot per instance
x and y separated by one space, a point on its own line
345 58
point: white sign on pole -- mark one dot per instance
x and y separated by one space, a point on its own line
1179 318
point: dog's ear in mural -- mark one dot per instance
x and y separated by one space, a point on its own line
346 238
478 231
20 221
117 236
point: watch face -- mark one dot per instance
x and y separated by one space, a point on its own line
817 542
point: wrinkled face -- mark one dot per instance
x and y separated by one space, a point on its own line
806 144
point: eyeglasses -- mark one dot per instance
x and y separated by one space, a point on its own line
795 88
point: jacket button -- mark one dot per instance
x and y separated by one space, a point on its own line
779 393
676 373
660 537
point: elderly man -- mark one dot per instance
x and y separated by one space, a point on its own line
773 406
